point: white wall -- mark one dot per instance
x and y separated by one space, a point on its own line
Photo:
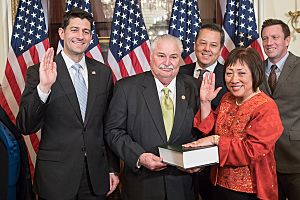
6 25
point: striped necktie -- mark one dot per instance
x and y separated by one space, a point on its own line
272 80
81 89
201 73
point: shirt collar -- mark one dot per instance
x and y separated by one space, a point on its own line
210 68
69 62
171 86
278 64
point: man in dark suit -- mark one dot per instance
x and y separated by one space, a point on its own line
208 46
137 124
67 98
15 181
282 69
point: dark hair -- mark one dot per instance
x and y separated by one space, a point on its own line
76 13
213 27
252 59
270 22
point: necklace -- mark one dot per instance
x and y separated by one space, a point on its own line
249 97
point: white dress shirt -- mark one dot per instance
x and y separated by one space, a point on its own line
209 68
171 87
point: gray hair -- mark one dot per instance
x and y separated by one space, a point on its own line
166 36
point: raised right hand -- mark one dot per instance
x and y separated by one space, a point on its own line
152 162
207 90
47 71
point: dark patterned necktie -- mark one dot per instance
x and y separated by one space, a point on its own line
272 80
201 73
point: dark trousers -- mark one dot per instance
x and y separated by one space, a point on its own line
203 185
226 194
85 191
288 186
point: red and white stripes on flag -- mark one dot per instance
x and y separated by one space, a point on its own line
135 62
240 27
29 42
129 47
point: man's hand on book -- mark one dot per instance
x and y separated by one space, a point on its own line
206 141
152 162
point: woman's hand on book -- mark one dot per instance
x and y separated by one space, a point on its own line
206 141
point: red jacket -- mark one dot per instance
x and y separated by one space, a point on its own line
248 134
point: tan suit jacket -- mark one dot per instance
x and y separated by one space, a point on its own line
287 98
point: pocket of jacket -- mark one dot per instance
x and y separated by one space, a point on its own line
294 135
49 155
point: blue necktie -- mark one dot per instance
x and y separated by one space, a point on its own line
80 88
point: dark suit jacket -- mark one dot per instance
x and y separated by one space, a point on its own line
135 125
64 135
287 97
219 72
24 187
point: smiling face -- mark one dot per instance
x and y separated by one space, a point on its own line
238 79
165 60
208 47
77 37
274 43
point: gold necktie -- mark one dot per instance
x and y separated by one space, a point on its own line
167 109
272 80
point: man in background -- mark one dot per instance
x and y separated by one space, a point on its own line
67 96
148 110
208 46
282 69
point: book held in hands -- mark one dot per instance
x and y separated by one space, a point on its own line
186 157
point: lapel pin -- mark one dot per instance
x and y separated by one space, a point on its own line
183 97
93 72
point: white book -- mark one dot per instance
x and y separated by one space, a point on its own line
189 157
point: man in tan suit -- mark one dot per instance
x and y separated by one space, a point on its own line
282 69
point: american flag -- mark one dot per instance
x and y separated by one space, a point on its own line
94 50
240 27
29 42
129 46
185 23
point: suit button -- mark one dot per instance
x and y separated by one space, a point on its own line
83 149
84 129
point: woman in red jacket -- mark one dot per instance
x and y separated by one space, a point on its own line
245 126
